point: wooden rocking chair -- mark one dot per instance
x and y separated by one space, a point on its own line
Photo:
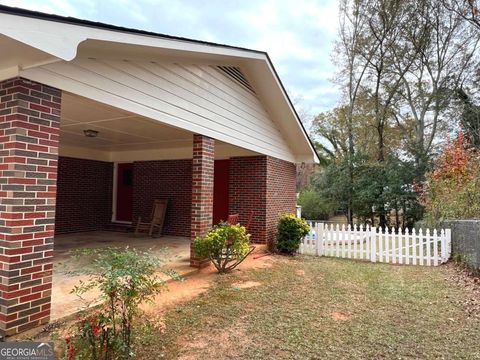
249 221
156 220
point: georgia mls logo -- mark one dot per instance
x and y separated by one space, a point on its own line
26 350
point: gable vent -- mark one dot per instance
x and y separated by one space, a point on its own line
236 75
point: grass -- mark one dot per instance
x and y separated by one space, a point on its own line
320 308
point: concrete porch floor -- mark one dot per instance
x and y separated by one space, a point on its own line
174 250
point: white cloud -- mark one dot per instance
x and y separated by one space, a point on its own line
74 8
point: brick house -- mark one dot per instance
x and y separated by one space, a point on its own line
98 120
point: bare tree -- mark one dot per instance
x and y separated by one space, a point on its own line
444 56
353 23
353 66
389 25
468 10
383 45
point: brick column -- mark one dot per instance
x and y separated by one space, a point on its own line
29 132
202 190
266 186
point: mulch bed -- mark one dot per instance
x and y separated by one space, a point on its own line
469 280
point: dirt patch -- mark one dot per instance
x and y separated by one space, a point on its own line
340 316
200 281
258 260
246 284
180 291
300 272
214 343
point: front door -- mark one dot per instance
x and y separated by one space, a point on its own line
124 192
220 190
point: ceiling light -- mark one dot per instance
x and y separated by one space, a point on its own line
90 133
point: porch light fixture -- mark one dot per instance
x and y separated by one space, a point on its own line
90 133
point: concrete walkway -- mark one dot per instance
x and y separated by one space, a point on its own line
175 251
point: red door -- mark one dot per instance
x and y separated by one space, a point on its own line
220 190
124 192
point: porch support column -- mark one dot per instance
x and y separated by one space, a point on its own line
202 191
29 132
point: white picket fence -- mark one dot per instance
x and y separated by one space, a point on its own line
422 247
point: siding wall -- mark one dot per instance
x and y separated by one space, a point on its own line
197 98
84 195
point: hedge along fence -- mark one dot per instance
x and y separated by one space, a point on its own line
465 240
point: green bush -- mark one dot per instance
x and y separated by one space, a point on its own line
291 231
225 245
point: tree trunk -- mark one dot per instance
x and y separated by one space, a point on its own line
397 219
381 143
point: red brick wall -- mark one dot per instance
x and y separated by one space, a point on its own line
265 185
170 179
248 187
281 193
29 133
84 195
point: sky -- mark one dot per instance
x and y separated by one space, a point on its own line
297 34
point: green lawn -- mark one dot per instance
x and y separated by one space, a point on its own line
320 308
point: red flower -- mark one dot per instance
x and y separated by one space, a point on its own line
71 352
96 329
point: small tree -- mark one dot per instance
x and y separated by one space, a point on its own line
291 231
225 245
126 278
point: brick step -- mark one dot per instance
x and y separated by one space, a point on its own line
118 227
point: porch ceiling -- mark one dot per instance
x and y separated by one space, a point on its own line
116 128
123 135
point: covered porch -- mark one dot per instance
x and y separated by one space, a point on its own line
106 182
173 250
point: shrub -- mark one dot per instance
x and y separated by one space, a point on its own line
225 245
291 231
453 188
126 278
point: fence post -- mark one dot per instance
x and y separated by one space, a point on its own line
373 244
319 238
448 233
443 246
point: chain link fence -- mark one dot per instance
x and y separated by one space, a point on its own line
465 240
